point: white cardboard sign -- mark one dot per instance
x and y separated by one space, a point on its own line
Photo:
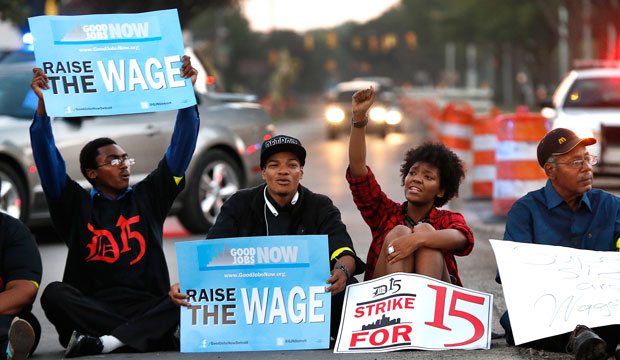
410 311
551 289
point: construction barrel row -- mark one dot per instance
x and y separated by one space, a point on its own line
498 149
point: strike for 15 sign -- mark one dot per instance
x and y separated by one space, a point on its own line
255 293
409 311
111 64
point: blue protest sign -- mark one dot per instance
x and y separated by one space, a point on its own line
255 293
111 64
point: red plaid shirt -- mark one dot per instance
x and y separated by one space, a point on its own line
382 214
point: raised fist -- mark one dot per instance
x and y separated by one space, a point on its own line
362 101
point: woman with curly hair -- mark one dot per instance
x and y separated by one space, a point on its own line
414 236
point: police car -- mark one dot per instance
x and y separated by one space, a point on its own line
587 101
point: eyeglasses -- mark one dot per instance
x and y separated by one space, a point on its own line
577 164
118 162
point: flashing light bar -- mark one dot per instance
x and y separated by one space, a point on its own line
27 38
595 63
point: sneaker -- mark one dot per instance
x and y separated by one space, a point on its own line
21 339
584 344
82 345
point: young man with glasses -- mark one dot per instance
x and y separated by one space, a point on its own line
114 291
568 212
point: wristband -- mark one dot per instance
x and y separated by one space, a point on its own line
360 124
344 268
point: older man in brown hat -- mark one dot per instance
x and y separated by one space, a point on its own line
568 212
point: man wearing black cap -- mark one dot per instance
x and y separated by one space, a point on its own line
568 212
282 206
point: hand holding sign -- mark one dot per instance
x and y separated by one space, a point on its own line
187 71
339 277
178 298
39 81
130 63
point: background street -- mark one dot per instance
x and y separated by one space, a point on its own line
324 173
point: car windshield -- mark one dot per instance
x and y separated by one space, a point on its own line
16 97
345 96
594 93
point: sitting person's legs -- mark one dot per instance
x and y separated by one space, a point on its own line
143 326
383 268
69 310
423 261
151 325
430 262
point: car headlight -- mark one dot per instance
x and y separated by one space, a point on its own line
377 114
393 117
548 112
334 115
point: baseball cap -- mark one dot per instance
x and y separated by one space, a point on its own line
557 142
282 143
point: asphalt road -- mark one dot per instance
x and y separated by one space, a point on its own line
324 173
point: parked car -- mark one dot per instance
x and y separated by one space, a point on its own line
587 101
226 157
384 116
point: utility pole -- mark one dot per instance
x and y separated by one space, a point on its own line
471 79
507 84
563 55
587 29
450 63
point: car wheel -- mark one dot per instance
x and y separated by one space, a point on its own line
13 195
216 177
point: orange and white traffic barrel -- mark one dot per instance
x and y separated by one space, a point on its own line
483 147
517 169
456 129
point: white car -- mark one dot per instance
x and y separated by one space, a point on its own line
385 116
588 102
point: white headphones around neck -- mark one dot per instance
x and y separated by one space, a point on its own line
272 208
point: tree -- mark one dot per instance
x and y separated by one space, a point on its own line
16 11
223 37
